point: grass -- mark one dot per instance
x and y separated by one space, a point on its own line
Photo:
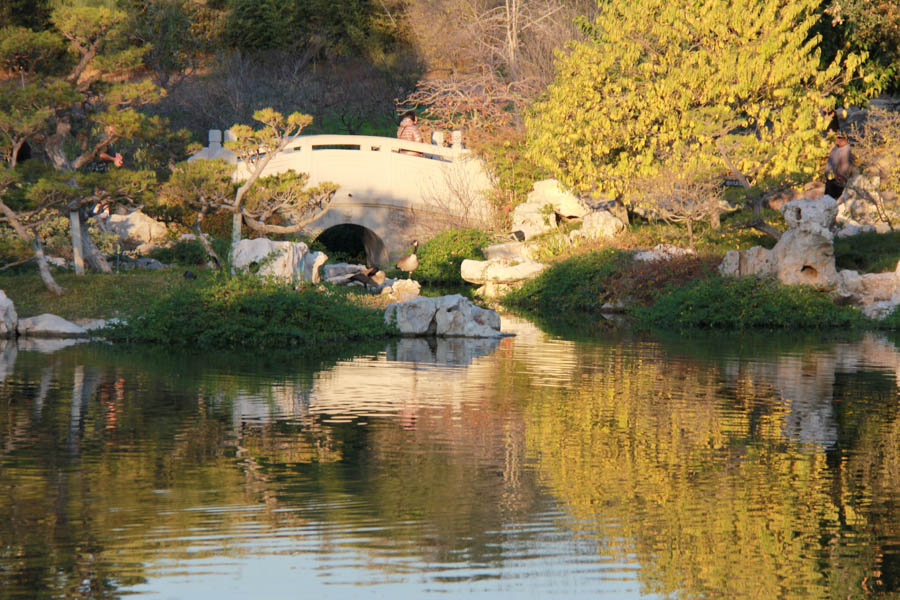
94 295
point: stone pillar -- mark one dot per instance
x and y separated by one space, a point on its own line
215 142
456 140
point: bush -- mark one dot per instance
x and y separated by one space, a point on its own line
727 303
578 284
440 257
250 312
183 252
868 252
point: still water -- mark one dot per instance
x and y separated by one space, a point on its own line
533 466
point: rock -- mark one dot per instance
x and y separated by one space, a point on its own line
57 261
499 276
147 263
811 215
547 199
802 257
287 260
499 270
599 225
48 325
8 318
403 290
509 250
565 204
444 316
663 252
878 310
136 228
90 325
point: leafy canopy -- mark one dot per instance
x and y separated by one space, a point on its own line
691 85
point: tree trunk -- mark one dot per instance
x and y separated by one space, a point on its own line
13 219
765 228
77 244
94 258
43 268
236 219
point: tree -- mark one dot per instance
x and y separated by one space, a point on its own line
73 107
254 150
658 82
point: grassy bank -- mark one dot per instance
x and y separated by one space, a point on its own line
682 293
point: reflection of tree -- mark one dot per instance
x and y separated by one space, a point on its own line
709 498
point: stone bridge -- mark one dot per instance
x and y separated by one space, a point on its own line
397 191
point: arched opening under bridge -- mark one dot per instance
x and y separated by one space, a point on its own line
352 243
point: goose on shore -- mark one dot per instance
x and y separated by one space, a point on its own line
410 262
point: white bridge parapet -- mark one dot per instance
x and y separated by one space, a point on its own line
399 190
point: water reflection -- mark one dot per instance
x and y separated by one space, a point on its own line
626 466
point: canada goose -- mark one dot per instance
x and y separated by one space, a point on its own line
409 263
365 278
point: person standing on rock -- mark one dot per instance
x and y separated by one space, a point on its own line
838 167
409 130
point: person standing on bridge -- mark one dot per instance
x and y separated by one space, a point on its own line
409 130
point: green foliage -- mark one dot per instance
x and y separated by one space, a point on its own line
578 284
686 85
249 312
514 173
868 252
745 303
182 252
873 27
441 256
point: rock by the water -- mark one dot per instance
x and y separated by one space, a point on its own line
498 276
8 318
47 325
287 260
403 290
444 316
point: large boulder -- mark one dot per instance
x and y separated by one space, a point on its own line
444 316
802 257
287 260
812 215
136 228
47 325
8 318
599 225
499 275
538 214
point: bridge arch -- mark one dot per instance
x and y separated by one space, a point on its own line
400 191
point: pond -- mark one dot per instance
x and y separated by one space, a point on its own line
618 466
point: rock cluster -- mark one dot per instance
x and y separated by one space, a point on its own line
805 255
548 202
444 316
46 325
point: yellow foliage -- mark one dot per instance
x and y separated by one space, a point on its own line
719 79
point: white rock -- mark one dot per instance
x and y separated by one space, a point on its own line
444 316
807 258
404 289
509 250
287 260
499 270
8 318
47 325
663 252
136 228
601 224
531 217
815 214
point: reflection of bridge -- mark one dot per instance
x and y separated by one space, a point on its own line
396 190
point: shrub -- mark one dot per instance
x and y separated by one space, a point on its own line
868 252
578 284
249 312
441 256
183 252
727 303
